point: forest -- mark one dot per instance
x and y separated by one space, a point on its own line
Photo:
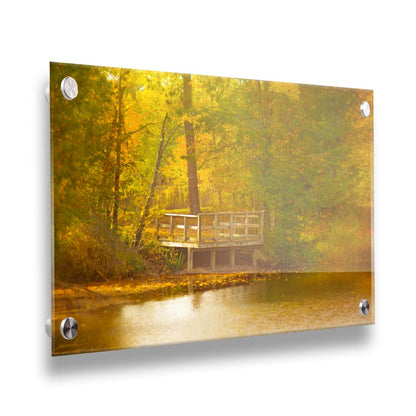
135 144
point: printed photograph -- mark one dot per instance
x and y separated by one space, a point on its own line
190 207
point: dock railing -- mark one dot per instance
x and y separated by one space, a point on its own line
215 227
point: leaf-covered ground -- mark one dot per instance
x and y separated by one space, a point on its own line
69 297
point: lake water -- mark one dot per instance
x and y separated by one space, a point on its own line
293 302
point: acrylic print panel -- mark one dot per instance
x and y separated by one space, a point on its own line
196 207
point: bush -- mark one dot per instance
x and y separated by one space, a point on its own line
92 252
162 259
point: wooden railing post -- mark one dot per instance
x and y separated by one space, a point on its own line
185 228
171 227
215 227
261 224
246 225
231 226
198 230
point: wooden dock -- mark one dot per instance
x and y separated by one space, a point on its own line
211 232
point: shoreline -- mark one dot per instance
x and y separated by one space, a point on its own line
68 297
72 297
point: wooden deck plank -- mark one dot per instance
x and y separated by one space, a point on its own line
216 244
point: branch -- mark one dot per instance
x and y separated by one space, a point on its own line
140 129
171 135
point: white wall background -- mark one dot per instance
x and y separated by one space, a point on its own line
364 44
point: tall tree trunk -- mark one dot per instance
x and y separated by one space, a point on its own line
190 148
151 192
265 113
120 128
106 198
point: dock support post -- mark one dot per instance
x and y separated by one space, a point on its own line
190 259
171 227
212 258
232 257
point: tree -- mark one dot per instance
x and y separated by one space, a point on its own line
303 154
120 131
163 144
190 148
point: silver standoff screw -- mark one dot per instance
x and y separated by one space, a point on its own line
69 88
69 328
47 95
365 109
48 327
364 307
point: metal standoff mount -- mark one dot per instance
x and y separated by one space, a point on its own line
48 327
365 109
69 328
364 307
69 88
47 94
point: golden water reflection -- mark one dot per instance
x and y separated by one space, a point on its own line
293 303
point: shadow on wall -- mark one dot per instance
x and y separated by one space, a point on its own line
219 350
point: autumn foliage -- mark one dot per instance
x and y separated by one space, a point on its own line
302 154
